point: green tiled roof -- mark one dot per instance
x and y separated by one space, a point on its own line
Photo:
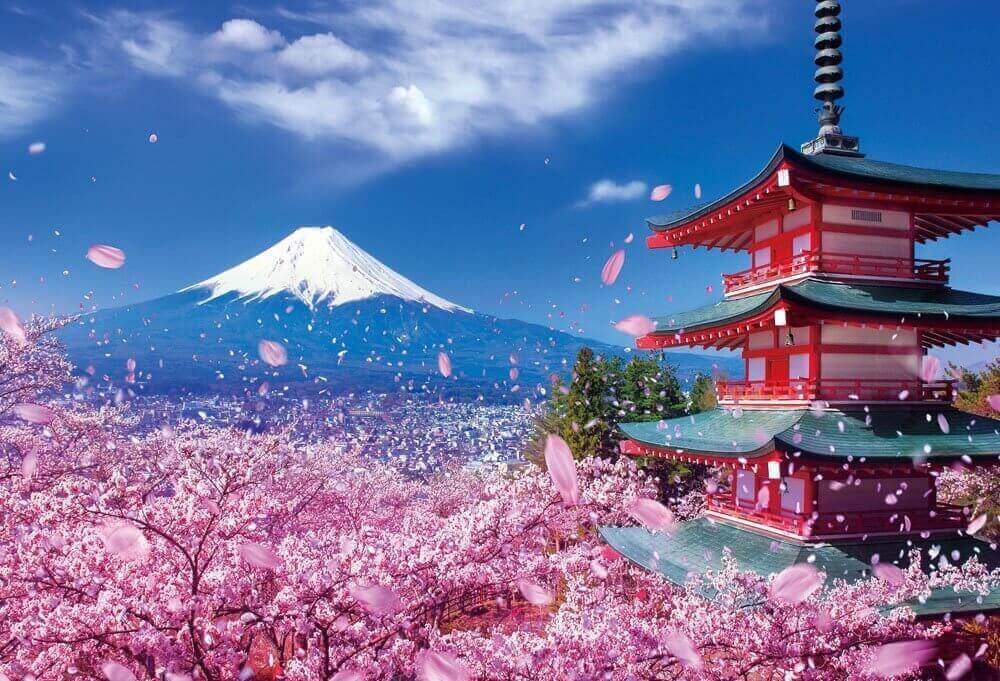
697 546
896 301
860 168
716 431
876 435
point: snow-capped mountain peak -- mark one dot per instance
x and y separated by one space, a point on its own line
319 266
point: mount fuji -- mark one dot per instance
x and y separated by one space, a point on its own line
348 323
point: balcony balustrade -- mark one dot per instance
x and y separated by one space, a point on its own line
918 269
836 390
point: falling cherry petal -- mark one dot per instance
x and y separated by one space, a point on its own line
796 583
272 353
629 238
680 646
346 675
977 524
943 424
930 370
613 267
651 514
636 325
125 541
535 594
115 672
889 573
11 324
660 192
893 659
444 364
35 148
994 402
562 469
29 464
106 256
153 138
259 556
958 668
34 413
376 599
442 667
697 191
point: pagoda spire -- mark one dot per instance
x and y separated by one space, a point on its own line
829 73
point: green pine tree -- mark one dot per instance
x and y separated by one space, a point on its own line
702 396
650 391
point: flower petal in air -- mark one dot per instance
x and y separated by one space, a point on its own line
106 256
977 524
376 599
930 370
660 192
34 413
889 573
125 541
562 469
442 667
444 364
796 583
272 353
11 324
259 556
613 267
534 593
894 659
636 325
994 402
115 672
680 646
651 514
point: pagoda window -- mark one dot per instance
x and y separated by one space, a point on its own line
746 487
839 243
762 340
762 257
793 491
874 494
798 366
866 217
797 218
801 244
755 369
766 231
835 334
838 365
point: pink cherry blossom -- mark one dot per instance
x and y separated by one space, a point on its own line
636 325
613 267
660 192
796 583
272 353
105 256
562 469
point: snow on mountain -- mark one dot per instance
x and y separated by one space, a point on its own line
317 265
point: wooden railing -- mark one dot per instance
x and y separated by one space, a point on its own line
936 271
837 390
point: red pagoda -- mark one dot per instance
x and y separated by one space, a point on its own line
843 419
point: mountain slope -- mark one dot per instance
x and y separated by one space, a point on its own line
348 323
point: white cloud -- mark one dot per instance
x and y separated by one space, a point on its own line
397 80
29 90
320 54
604 191
246 35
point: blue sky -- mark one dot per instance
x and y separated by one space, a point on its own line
421 130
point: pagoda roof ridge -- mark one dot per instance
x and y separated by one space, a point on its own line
929 303
859 168
873 435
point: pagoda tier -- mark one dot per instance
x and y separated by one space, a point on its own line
845 217
824 340
823 474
